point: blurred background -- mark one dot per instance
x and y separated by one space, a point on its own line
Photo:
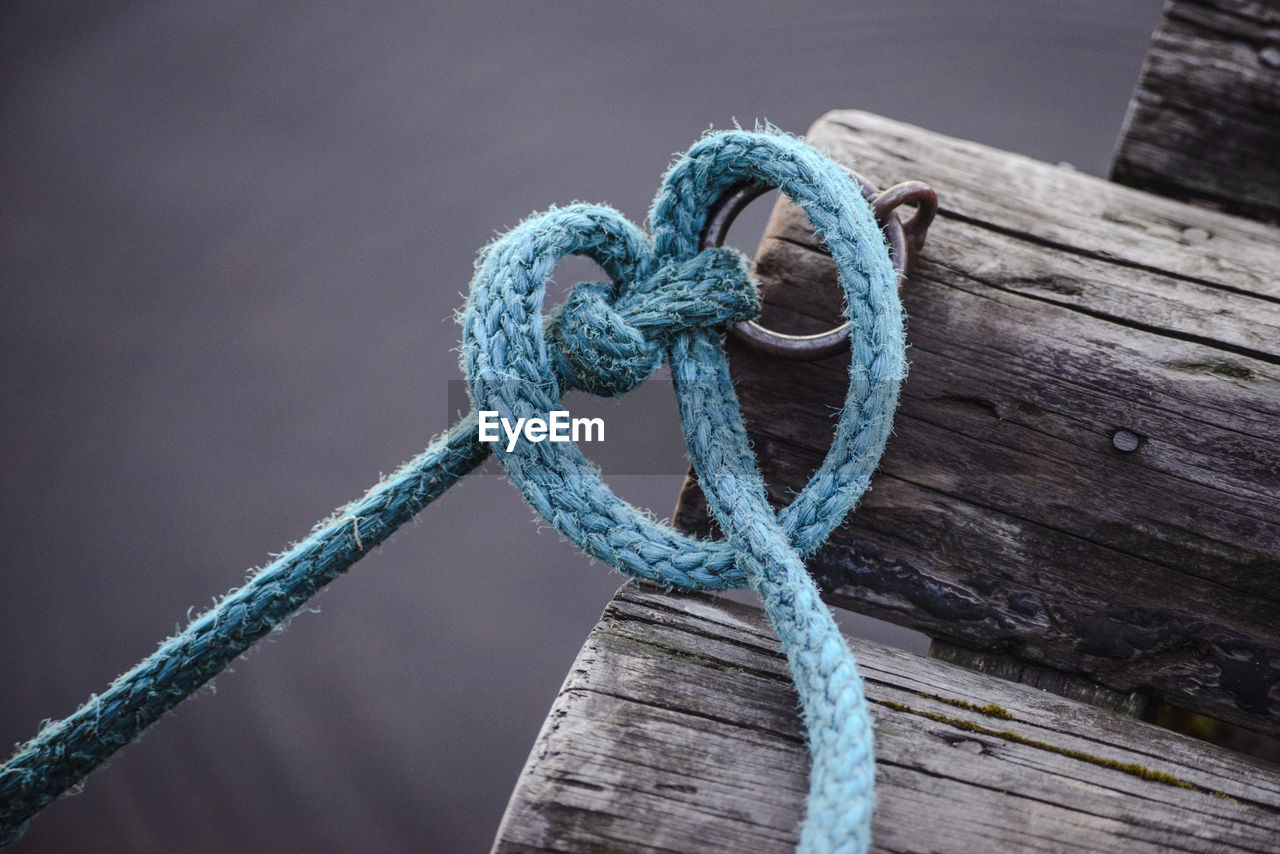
232 236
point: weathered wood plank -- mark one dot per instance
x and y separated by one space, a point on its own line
1057 207
676 730
1049 312
1204 122
1134 704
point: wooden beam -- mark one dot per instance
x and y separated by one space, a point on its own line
676 731
1204 122
1085 471
1134 703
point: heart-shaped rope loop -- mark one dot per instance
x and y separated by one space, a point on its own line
511 370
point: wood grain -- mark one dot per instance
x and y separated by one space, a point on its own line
1050 311
676 731
1204 122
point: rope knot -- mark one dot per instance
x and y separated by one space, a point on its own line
608 346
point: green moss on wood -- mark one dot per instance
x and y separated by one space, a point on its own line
991 710
1132 768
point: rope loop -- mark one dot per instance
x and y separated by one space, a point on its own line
518 369
609 337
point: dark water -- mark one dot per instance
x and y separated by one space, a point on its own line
231 238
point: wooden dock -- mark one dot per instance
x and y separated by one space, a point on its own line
676 730
1080 506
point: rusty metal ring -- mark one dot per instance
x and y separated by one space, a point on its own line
904 242
916 193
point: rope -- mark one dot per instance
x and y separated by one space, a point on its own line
665 300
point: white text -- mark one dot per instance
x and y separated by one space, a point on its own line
558 426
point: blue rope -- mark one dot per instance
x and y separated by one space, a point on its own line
66 751
665 300
509 370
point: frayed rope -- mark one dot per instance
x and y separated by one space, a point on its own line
667 300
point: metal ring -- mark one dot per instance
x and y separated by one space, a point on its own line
914 230
904 242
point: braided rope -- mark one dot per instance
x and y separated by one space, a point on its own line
66 751
508 370
769 548
666 300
